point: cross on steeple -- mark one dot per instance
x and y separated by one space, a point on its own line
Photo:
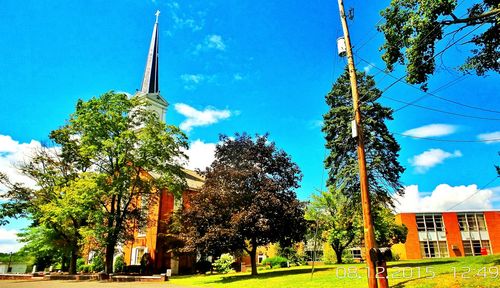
157 14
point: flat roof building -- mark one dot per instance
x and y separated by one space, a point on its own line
449 234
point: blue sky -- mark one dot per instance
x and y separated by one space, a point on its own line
254 66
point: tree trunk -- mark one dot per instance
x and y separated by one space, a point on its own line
338 253
253 254
110 251
64 263
72 259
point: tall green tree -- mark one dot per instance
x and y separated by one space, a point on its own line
121 140
413 28
338 222
382 150
60 202
248 199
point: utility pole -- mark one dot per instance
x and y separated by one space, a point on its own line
369 233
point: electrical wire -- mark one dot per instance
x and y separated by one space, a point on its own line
454 81
441 111
474 194
450 140
435 55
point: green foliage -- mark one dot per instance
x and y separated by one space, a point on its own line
381 148
248 199
97 263
292 254
45 245
347 257
413 28
223 264
338 221
119 265
276 261
121 139
79 264
387 232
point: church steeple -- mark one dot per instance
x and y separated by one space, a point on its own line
150 81
149 89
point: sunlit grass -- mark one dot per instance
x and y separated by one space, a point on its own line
479 271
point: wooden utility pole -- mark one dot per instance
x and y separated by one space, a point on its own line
369 233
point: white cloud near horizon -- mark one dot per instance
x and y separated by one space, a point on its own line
13 153
444 197
197 118
430 158
432 130
8 240
493 137
201 155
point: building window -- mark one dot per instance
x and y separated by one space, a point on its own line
474 247
143 223
430 222
434 249
356 253
137 254
471 222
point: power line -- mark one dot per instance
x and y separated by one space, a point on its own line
449 140
474 194
429 93
435 55
441 111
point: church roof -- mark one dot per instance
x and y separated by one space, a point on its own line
194 180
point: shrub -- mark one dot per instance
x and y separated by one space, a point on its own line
223 264
119 264
202 266
347 257
276 261
97 263
85 268
79 263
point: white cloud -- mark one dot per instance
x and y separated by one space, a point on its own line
8 241
237 77
200 118
444 197
191 81
493 137
431 158
215 41
368 67
11 154
200 154
431 130
184 18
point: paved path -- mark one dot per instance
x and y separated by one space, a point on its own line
82 284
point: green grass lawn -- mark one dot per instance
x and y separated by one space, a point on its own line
479 271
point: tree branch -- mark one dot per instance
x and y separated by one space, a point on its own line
472 20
